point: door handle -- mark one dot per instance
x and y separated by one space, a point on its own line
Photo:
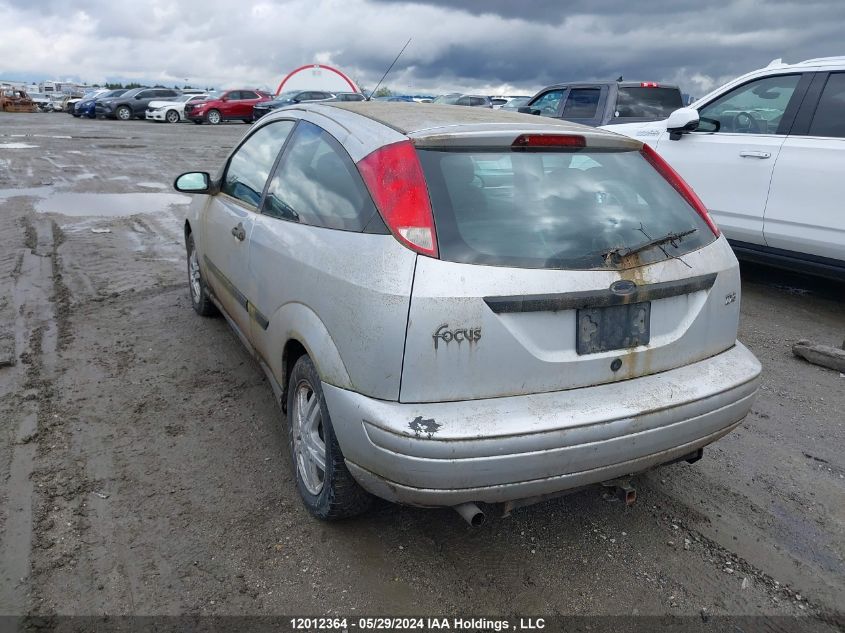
750 154
239 232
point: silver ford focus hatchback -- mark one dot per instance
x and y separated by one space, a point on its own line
458 306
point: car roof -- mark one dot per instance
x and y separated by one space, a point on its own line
621 84
426 121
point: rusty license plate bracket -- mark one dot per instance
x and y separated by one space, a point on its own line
613 327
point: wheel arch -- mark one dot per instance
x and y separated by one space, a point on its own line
298 330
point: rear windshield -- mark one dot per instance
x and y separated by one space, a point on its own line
555 209
647 103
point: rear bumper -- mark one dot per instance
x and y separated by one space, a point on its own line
504 449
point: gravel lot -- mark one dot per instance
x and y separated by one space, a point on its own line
144 467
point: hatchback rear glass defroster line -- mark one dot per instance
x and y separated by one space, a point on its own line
555 209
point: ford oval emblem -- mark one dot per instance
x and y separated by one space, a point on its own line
623 287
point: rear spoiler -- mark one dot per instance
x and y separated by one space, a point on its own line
501 136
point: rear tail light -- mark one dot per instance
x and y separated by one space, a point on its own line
394 176
649 84
549 140
680 185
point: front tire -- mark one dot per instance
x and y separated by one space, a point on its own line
172 116
200 300
213 117
123 113
327 488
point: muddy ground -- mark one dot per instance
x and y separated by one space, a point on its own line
144 467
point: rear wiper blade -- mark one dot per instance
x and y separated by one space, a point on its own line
672 238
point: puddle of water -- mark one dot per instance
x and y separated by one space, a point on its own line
17 146
36 192
109 204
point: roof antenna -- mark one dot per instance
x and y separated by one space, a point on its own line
373 91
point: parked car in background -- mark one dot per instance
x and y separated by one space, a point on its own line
500 102
606 102
515 104
87 106
460 306
41 100
230 105
475 101
132 104
347 96
766 153
447 99
292 97
172 111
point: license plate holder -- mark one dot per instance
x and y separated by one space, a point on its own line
613 327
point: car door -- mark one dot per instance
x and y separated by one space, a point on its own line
229 217
229 104
584 105
246 103
805 212
139 103
729 160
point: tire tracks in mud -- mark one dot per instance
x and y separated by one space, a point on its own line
27 396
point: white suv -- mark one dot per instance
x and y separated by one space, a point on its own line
766 153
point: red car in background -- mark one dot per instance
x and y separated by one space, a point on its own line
232 105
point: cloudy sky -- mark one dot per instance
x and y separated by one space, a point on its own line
494 46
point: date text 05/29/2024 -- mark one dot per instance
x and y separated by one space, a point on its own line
415 624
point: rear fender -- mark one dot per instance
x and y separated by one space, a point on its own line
299 322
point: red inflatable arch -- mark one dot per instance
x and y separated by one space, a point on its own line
351 83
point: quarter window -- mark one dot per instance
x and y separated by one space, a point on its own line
753 108
829 119
253 161
581 103
317 183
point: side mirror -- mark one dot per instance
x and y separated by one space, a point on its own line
528 110
137 96
680 121
193 182
224 98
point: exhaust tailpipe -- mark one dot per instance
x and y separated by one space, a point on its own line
620 490
471 513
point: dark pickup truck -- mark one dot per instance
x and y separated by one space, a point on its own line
606 102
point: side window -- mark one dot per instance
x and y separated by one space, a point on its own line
549 102
248 94
317 183
581 103
145 94
477 101
829 119
753 108
234 95
252 162
463 101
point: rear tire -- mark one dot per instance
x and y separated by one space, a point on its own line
200 299
327 488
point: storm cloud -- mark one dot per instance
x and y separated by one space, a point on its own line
485 45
